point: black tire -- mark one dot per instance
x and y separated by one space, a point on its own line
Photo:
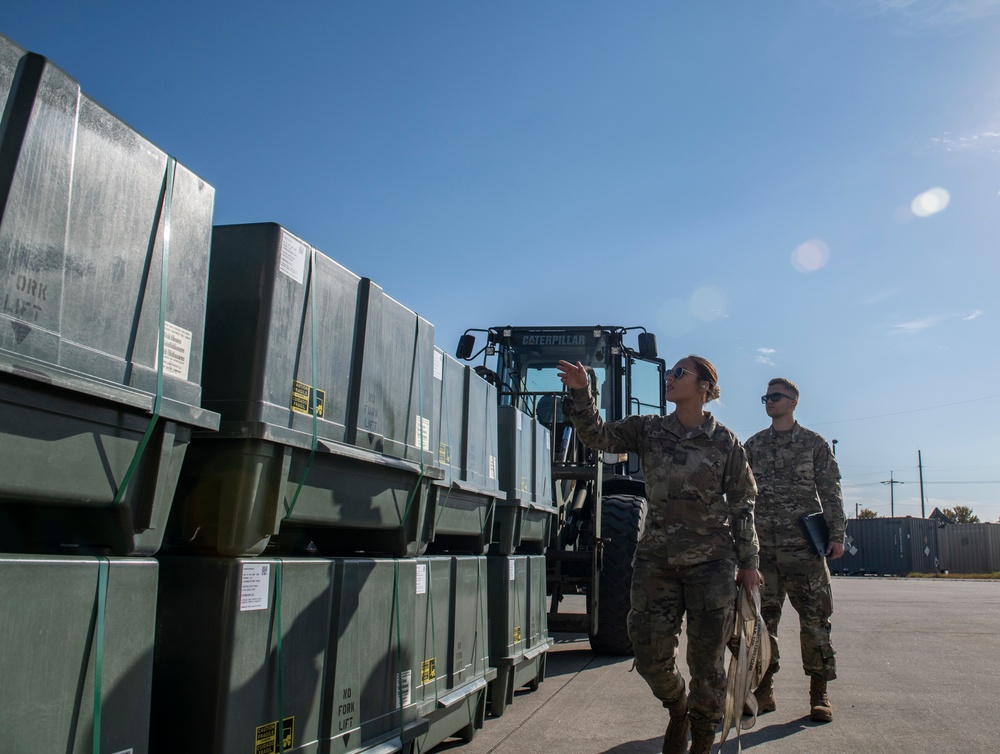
622 517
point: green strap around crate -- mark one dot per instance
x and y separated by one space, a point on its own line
313 389
420 434
166 202
280 730
517 602
102 602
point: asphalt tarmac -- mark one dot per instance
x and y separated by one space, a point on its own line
919 671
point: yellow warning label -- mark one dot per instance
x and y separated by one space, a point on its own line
444 453
517 633
302 399
427 671
266 742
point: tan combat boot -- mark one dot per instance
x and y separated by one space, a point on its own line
702 739
822 711
765 694
676 738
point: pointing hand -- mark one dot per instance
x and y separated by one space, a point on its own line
573 375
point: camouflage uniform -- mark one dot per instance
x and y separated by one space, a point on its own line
699 527
797 474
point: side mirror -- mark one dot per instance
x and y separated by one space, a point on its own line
647 345
466 345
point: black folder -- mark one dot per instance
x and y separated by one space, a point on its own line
816 531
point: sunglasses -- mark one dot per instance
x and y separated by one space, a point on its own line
774 397
678 372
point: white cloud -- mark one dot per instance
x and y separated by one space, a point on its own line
919 15
764 357
918 325
973 315
986 140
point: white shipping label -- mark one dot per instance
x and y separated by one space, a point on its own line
403 689
438 365
493 467
510 569
548 441
176 351
421 578
293 258
254 586
423 433
517 420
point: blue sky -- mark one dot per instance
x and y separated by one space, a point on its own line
804 188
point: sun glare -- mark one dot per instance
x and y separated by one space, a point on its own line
930 202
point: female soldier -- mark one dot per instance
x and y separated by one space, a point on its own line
699 531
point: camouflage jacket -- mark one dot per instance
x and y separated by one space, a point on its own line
796 474
699 487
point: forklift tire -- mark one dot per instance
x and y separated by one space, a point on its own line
622 517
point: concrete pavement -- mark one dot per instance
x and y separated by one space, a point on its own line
919 667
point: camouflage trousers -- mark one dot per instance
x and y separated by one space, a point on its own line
661 596
805 578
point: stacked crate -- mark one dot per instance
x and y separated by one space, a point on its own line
310 512
525 519
104 244
318 484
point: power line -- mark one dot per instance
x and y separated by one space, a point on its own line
967 481
908 411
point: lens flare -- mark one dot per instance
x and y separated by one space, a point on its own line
708 303
810 256
930 202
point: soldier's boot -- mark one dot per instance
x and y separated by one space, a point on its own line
676 738
702 738
765 694
822 711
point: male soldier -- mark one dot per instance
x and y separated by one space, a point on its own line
796 475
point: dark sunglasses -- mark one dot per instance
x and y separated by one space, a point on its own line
678 372
774 397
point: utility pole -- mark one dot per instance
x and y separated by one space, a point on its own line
892 498
920 466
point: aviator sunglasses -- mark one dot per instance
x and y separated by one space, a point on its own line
678 372
774 397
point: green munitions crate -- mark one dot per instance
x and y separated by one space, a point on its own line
464 508
479 458
90 292
517 665
310 649
374 665
524 519
538 624
240 650
325 404
452 661
64 623
470 651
